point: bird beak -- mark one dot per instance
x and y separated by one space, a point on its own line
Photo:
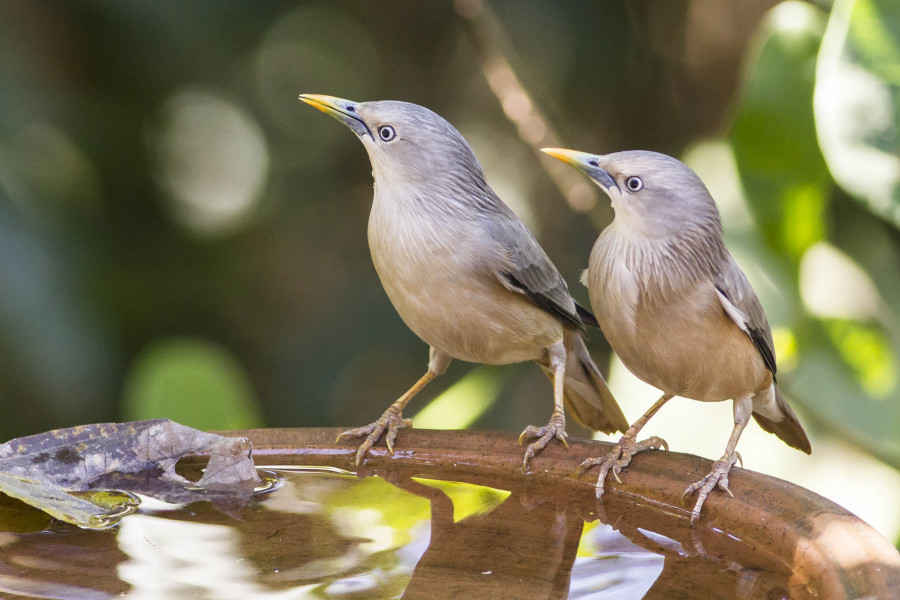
589 164
344 111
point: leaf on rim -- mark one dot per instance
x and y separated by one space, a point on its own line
62 471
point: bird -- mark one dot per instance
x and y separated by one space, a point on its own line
464 272
676 307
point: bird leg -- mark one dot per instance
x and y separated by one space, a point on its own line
620 456
556 426
718 476
392 419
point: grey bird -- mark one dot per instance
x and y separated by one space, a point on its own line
464 273
675 306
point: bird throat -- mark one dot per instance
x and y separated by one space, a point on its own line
661 265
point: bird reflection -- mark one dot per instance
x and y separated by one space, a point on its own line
521 549
730 569
526 548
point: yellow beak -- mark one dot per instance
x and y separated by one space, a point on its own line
570 157
589 164
345 111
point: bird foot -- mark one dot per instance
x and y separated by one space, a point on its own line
392 420
718 476
618 458
555 428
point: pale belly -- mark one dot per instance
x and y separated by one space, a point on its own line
699 353
473 322
451 300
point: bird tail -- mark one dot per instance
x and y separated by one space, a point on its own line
788 429
586 395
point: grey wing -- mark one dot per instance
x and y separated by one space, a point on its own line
741 304
526 269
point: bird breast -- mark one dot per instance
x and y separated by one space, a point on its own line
668 326
438 271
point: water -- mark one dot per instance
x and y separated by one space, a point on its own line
326 533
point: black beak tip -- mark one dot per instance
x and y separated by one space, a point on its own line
604 178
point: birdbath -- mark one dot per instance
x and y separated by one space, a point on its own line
452 515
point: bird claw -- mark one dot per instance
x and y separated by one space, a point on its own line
529 432
587 464
618 458
717 477
555 428
392 421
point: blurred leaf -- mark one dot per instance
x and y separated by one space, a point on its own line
193 382
788 187
867 351
857 102
875 33
785 347
774 134
463 402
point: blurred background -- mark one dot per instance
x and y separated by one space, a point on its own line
181 237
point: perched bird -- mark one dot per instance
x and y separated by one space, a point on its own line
463 271
676 308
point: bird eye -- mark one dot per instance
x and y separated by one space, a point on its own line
386 133
634 184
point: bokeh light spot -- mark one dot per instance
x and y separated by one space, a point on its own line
317 50
212 160
832 285
192 381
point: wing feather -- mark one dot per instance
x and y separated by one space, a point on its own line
743 307
526 269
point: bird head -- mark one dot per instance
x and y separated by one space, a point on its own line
407 143
653 194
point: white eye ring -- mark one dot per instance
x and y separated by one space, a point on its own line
634 184
386 133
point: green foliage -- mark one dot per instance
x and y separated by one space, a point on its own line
798 93
857 102
464 402
867 350
192 382
774 135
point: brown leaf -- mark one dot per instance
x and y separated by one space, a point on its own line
139 456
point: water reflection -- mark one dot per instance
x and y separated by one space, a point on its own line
386 532
517 550
540 544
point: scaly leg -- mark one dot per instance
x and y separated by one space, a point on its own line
556 426
620 456
718 476
392 419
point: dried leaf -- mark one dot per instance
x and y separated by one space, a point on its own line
48 470
93 512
